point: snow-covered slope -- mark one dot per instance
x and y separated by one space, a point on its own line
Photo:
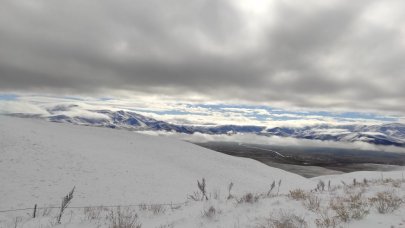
361 175
41 161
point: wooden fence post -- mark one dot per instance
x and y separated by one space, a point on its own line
35 211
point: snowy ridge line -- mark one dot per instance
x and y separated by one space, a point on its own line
109 206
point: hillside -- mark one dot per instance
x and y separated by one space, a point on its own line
40 162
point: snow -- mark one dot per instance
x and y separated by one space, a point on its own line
40 162
330 131
361 175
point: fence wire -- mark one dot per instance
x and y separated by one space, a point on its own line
94 206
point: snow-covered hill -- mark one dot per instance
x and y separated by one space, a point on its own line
41 161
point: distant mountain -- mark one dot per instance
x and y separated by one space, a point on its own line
135 121
384 134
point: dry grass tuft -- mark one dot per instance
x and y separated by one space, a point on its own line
123 219
284 220
325 220
156 209
312 202
353 206
298 194
210 213
248 198
386 202
93 213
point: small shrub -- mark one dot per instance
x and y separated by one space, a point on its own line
248 198
202 194
340 210
312 202
157 209
386 202
47 211
202 186
93 213
143 207
210 213
354 206
298 194
396 184
284 220
358 206
388 180
320 186
16 221
196 196
325 220
123 219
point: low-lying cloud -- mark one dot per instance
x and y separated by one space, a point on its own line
12 107
275 140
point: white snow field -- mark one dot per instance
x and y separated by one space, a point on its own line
40 162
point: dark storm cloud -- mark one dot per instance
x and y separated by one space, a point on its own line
313 54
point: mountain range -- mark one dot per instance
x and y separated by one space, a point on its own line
383 134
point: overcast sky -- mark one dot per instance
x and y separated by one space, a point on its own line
332 54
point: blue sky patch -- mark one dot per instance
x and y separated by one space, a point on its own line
8 97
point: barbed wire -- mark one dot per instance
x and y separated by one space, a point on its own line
94 206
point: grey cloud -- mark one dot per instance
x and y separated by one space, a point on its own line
309 49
